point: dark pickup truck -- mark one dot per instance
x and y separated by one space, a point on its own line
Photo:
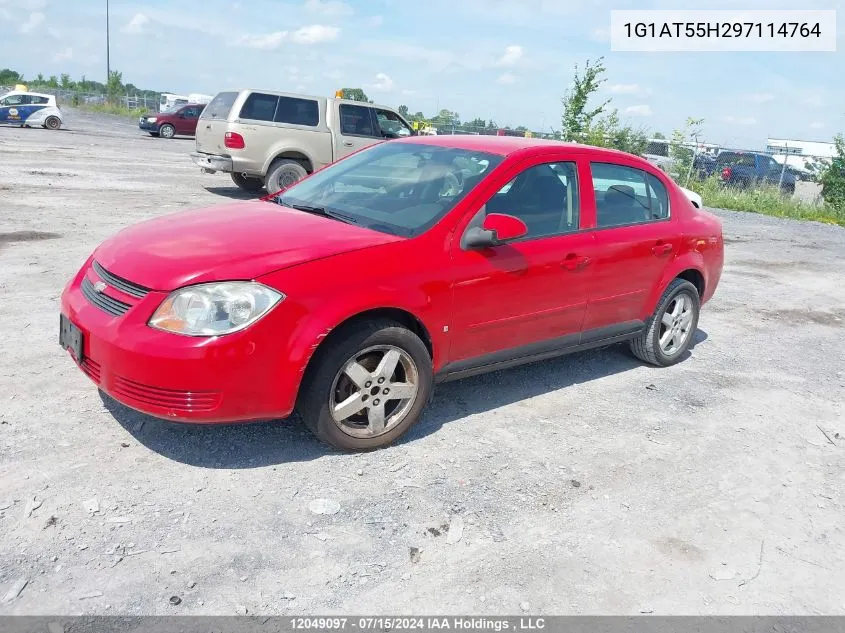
746 169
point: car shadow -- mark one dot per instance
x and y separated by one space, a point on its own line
259 444
235 193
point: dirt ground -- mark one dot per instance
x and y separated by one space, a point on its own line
590 484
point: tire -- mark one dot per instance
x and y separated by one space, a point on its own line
252 185
647 345
283 173
167 131
53 123
327 385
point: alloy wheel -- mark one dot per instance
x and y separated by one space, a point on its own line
676 324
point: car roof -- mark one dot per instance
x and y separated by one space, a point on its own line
506 145
28 92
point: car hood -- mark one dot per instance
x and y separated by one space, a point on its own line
232 241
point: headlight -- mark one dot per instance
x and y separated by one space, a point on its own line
215 308
152 119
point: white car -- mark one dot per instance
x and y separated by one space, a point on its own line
31 109
693 197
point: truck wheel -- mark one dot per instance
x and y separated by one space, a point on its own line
283 173
252 185
167 131
52 123
368 388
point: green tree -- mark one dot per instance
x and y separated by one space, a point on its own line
403 110
64 81
659 135
833 177
355 94
9 77
681 152
39 79
577 116
114 88
53 81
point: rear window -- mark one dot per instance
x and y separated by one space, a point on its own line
220 106
297 111
735 159
259 107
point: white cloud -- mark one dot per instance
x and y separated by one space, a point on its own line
306 35
745 120
625 89
136 24
375 21
64 55
760 97
816 125
814 100
437 60
329 8
513 54
408 93
5 14
638 110
33 22
383 83
314 34
505 78
334 75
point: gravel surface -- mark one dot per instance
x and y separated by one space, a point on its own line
589 484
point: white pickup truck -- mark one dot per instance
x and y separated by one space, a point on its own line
272 139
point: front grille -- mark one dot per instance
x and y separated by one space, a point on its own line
92 369
103 301
167 398
133 290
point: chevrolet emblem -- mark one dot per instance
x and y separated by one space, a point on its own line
99 286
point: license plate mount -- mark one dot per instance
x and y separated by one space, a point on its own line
70 337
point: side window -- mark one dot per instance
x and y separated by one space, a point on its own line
391 124
356 120
38 100
259 107
773 164
544 196
621 195
13 100
297 111
658 198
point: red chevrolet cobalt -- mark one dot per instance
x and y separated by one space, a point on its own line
349 294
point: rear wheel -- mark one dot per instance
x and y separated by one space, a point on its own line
53 123
668 333
283 173
167 131
367 389
246 183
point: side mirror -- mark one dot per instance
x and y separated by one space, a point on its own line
497 229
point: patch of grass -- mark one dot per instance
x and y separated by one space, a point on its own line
766 199
108 108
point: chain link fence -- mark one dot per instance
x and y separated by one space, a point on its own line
137 101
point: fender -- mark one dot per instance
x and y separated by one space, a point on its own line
689 260
277 151
315 322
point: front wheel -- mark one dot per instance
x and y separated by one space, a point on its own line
167 131
53 123
668 333
252 185
367 389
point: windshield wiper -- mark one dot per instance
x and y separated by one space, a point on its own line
326 213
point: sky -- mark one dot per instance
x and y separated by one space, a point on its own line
506 60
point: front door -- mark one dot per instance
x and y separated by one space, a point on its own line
187 121
532 290
635 242
12 108
357 129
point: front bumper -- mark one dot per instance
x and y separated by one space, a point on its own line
211 163
148 126
179 378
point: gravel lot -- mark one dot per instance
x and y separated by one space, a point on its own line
590 484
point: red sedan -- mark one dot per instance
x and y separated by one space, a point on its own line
350 294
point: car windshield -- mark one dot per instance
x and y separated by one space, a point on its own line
398 188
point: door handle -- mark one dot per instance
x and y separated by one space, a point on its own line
661 249
348 143
575 262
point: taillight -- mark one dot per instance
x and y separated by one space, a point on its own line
233 140
726 173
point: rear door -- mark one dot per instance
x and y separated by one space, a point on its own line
356 128
636 239
213 123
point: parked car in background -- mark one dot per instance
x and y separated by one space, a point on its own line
349 294
30 109
747 169
179 122
274 139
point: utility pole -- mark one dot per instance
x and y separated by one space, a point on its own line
108 61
